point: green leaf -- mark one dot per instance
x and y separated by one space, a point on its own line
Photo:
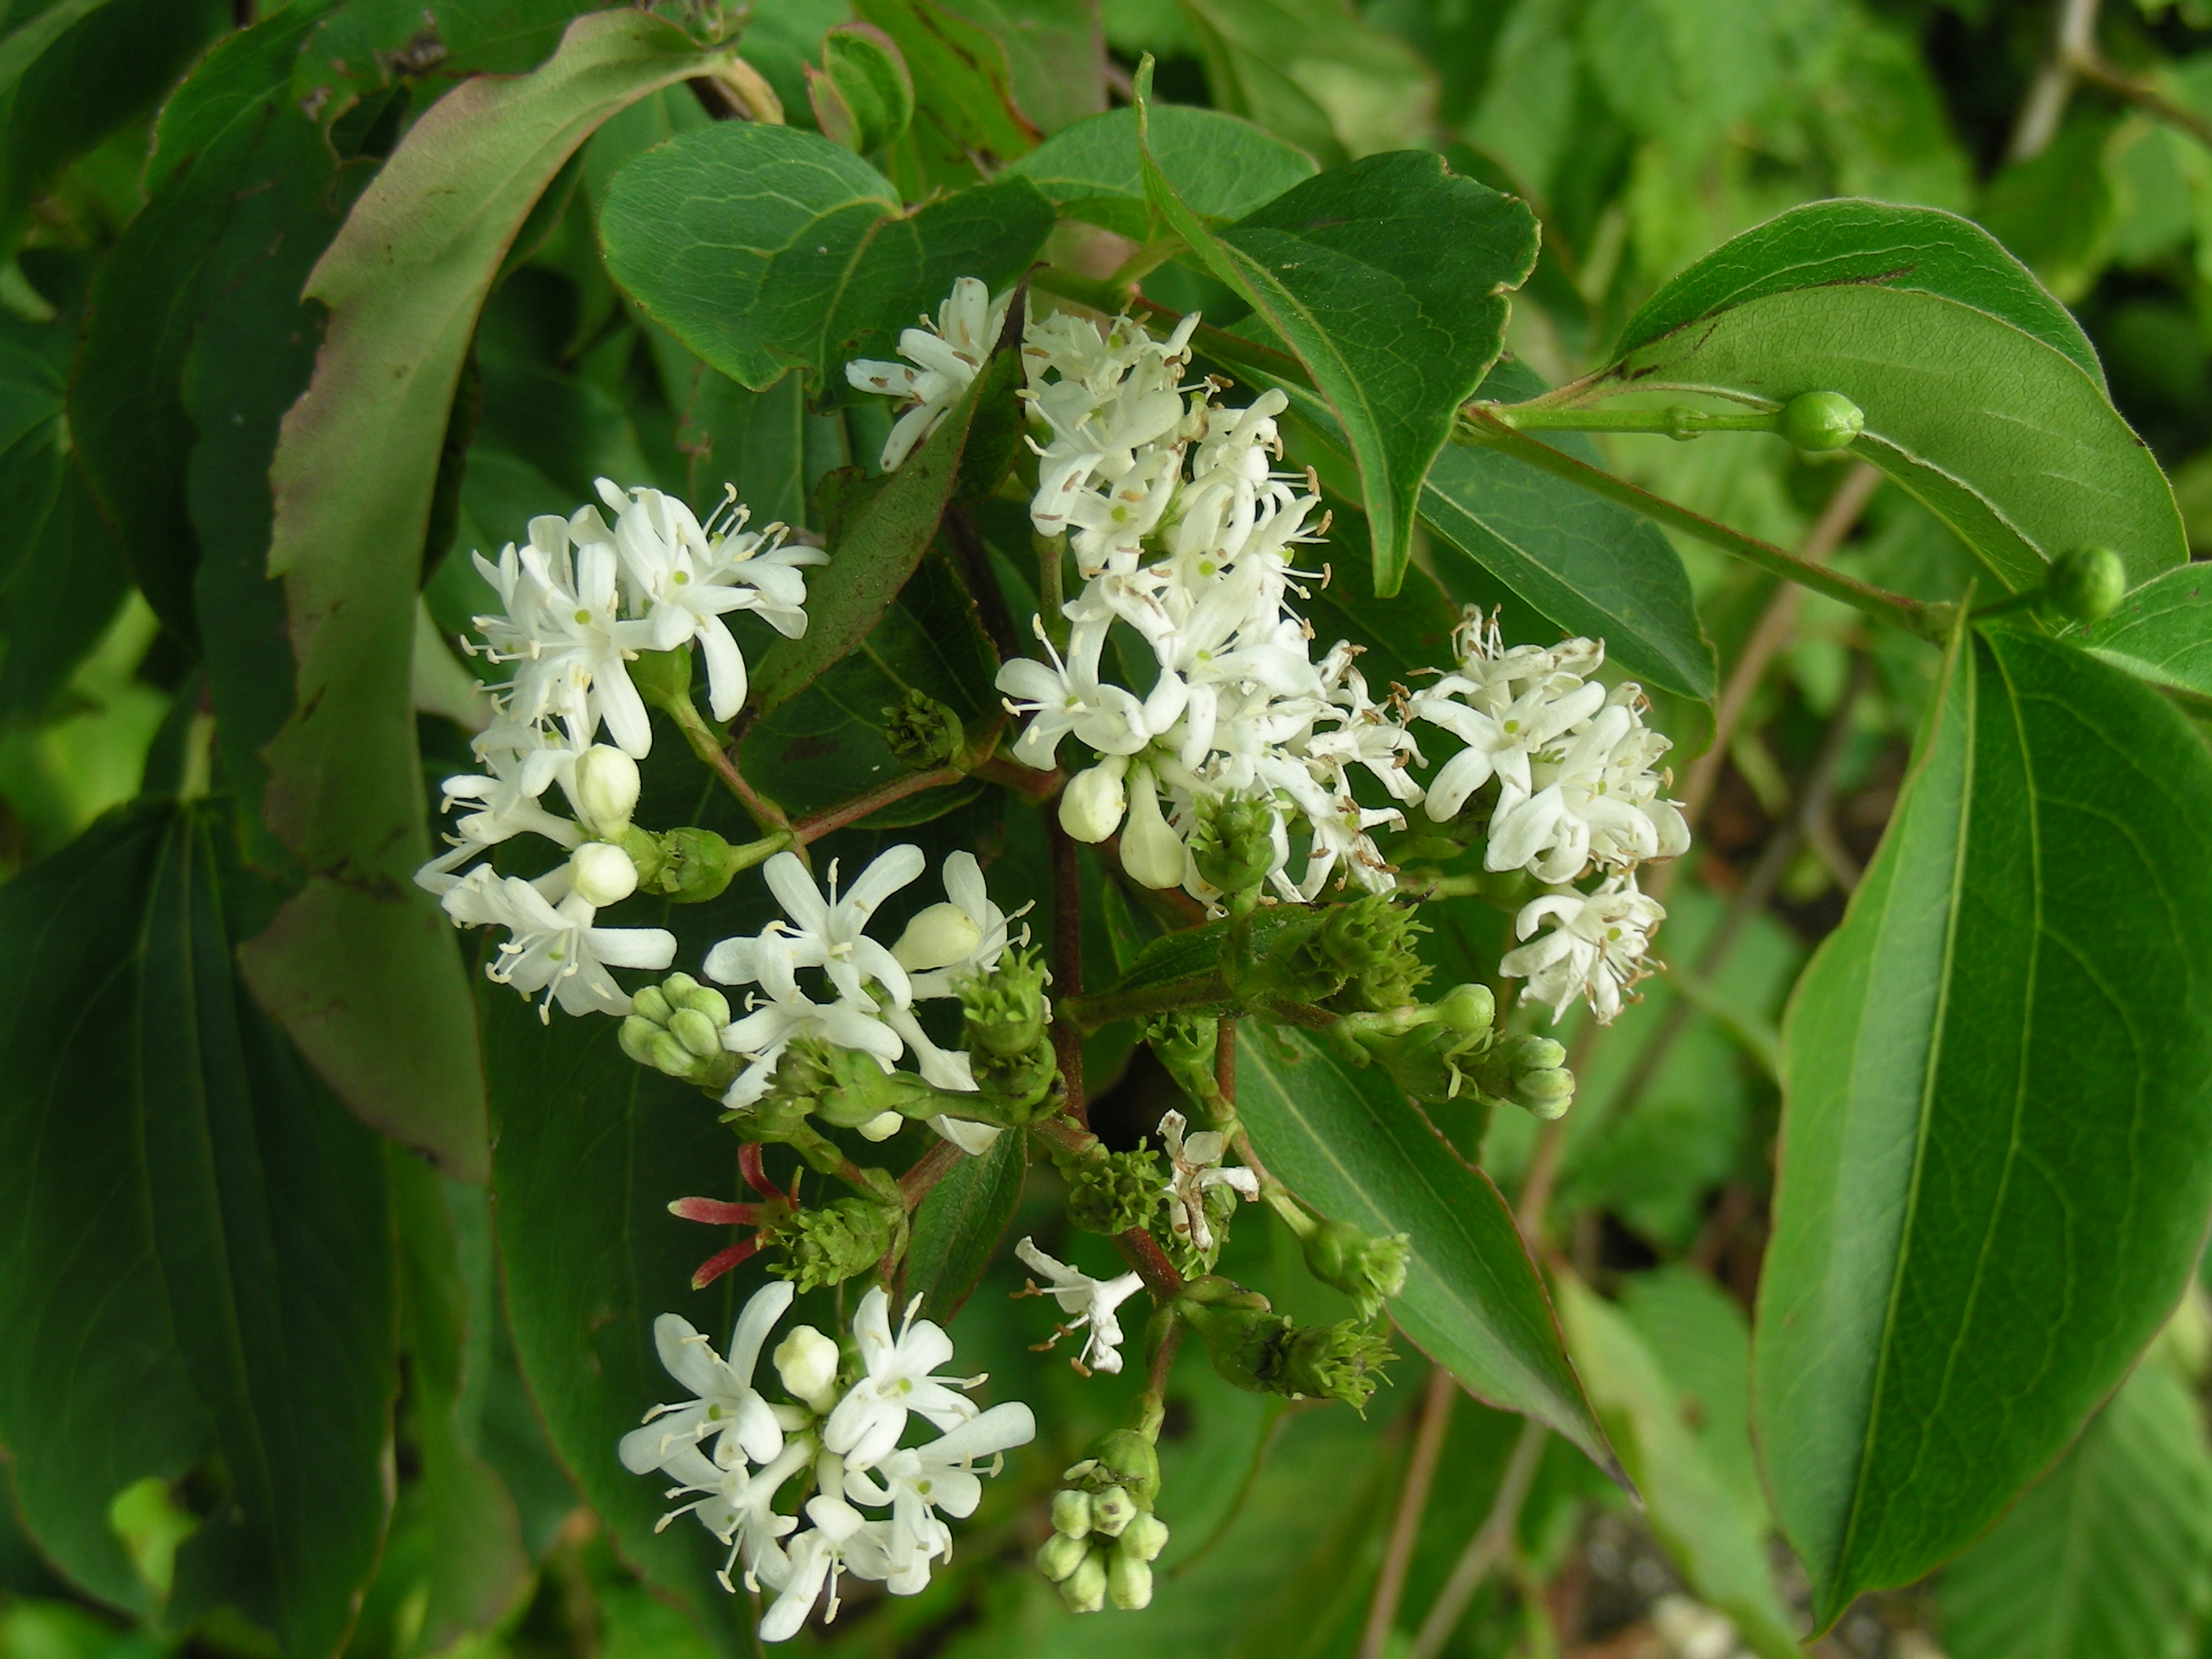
1387 278
1223 168
1976 398
876 542
2110 1555
1918 250
957 1229
80 71
1346 1141
1055 56
966 118
198 1282
1315 72
1715 1538
361 968
591 1149
2162 632
365 47
1994 1169
1584 564
765 249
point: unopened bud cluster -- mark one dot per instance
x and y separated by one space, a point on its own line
1104 1535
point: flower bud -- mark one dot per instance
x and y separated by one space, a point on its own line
1004 1010
1111 1510
1468 1009
1332 1362
1129 1581
807 1361
1126 1458
1143 1538
1111 1193
1545 1094
1367 1268
651 1045
2086 585
698 1033
1091 806
1062 1554
1152 852
923 732
882 1126
600 874
701 864
1819 421
605 793
832 1242
652 1003
700 998
1084 1590
940 936
1071 1512
1233 841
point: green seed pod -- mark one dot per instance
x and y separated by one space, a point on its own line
699 865
2086 585
1468 1009
1084 1590
1818 421
1129 1581
1061 1554
1004 1012
863 96
1126 1458
1071 1512
833 1244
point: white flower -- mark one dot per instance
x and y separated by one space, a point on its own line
1595 947
556 946
942 360
965 935
1597 798
920 1480
1196 1161
799 1575
865 1425
725 1407
1068 696
520 761
563 630
734 1503
1086 1302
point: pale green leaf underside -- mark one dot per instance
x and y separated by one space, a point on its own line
1997 1140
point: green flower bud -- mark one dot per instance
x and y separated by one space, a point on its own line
1359 956
1111 1510
1071 1512
653 1004
1084 1590
676 1027
1468 1009
1063 1553
1143 1538
1367 1268
646 853
1545 1094
652 1045
695 1033
699 865
604 790
2086 585
832 1242
1332 1362
1431 1062
1128 1459
1234 840
1005 1011
1818 421
1129 1581
923 732
1111 1192
1242 1334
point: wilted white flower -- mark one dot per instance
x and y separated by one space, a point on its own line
1195 1161
1595 948
1085 1302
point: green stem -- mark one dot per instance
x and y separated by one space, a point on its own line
1095 1013
1676 421
707 745
1052 580
815 826
1480 425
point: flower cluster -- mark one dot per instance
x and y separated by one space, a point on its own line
579 600
1181 529
835 1443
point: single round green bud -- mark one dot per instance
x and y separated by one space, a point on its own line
699 866
1129 1581
695 1033
2086 585
1111 1510
1233 841
1126 1458
1468 1009
1071 1512
1818 421
1144 1537
653 1004
1084 1590
703 999
1546 1094
1062 1553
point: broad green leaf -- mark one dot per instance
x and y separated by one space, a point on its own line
2109 1556
1715 1538
1701 1341
958 1226
197 1281
1980 395
1387 278
1994 1164
1055 56
364 48
1824 244
966 118
358 958
1344 1139
1315 72
1586 565
79 71
876 541
765 249
2162 631
62 579
766 444
1223 168
229 85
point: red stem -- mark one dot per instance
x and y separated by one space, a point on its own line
1140 1250
932 1167
815 825
1068 966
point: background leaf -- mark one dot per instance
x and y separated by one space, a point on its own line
1995 1166
958 1228
2162 632
1223 168
1344 1139
1315 71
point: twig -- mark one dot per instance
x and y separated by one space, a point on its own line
1067 965
1491 1541
932 1167
1141 1252
2143 96
815 826
1478 425
764 813
983 583
1412 1502
2073 40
